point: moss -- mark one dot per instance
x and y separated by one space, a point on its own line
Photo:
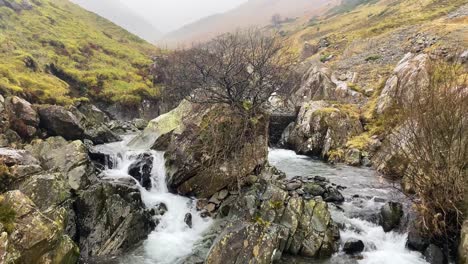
373 58
7 216
360 142
355 87
276 204
259 220
5 178
336 155
58 53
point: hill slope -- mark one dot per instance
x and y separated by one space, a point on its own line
118 13
251 13
53 51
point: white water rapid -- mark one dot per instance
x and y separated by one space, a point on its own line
172 239
356 213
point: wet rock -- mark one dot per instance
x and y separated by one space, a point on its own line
159 209
211 207
141 170
314 189
278 123
434 255
463 248
223 194
332 195
111 219
34 237
390 215
293 186
322 127
58 121
22 117
416 241
353 246
320 179
101 135
188 220
353 157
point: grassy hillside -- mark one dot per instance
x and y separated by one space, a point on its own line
53 51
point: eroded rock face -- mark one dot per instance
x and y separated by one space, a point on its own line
320 84
321 127
410 73
22 117
110 219
35 238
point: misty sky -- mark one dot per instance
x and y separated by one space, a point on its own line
168 15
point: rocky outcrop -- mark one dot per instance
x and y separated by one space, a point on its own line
269 221
320 84
463 248
411 73
322 127
278 123
32 236
58 121
110 219
22 117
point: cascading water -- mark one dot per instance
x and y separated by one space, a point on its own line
365 194
172 239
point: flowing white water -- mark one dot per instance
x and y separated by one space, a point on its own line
173 239
373 191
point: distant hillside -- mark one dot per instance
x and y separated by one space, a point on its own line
251 13
118 13
53 51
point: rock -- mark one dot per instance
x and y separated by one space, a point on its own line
223 194
322 127
47 191
410 73
309 50
293 186
285 135
390 215
94 116
353 246
192 171
159 209
210 207
188 219
70 158
313 189
58 121
319 84
332 195
11 157
111 219
416 241
44 241
463 248
353 157
140 124
101 135
434 255
141 170
22 117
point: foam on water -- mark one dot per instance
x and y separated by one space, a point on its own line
172 239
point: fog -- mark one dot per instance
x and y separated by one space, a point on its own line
169 15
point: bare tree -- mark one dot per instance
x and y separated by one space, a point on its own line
242 69
433 145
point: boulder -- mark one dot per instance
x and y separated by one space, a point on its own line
353 157
70 158
322 127
94 116
434 255
34 237
141 170
319 84
463 248
101 135
110 219
410 73
390 215
416 241
58 121
22 117
353 246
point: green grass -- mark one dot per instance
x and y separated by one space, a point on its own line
59 53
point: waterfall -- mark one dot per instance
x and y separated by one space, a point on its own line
172 239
